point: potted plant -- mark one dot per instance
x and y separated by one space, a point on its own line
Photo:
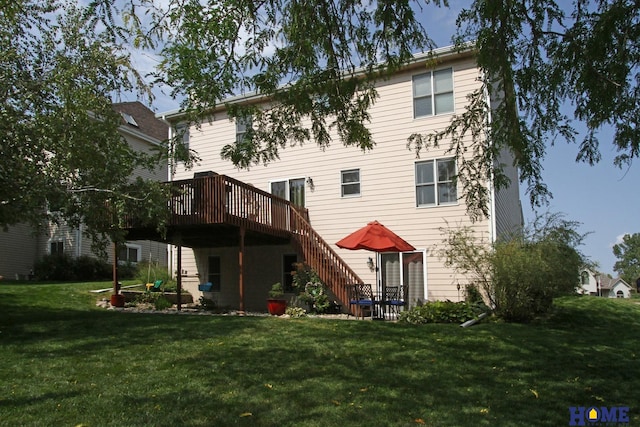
276 303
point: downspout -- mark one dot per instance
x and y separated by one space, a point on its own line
170 248
492 190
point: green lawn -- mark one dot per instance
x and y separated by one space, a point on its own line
65 362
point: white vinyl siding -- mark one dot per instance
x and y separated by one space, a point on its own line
388 194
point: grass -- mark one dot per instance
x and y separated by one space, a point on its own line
67 363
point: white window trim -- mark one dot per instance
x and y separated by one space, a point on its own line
139 253
437 204
287 180
433 94
342 184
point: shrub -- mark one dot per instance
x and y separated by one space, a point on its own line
54 267
315 296
147 272
90 268
162 303
296 312
312 291
521 275
438 312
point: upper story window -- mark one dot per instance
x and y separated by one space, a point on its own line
182 135
433 93
435 182
584 278
290 189
243 127
350 182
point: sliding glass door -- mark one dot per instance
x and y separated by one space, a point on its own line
406 270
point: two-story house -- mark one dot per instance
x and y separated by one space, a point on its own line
20 247
341 189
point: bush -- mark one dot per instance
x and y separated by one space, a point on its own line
520 276
63 267
54 267
89 269
438 312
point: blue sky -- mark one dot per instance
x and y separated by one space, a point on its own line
602 198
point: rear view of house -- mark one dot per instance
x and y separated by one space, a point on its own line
242 230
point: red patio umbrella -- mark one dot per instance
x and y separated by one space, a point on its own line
375 237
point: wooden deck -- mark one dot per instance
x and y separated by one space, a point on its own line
209 212
219 211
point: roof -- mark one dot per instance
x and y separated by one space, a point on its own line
137 116
607 282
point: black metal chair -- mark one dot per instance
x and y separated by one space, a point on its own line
392 301
360 296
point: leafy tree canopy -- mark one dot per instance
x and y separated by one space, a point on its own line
62 155
536 56
628 254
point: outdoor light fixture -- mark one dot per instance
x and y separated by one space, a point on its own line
310 183
370 264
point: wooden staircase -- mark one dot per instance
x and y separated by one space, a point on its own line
333 271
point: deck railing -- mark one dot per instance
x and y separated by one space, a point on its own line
333 271
220 199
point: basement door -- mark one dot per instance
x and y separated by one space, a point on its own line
408 270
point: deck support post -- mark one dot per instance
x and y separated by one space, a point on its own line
241 269
179 278
116 291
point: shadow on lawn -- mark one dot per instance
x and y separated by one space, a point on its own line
214 370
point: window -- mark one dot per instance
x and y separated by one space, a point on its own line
182 135
56 248
619 294
129 119
288 266
243 127
214 275
435 182
350 182
129 253
292 190
584 276
433 93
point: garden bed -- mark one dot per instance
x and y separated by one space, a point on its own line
185 298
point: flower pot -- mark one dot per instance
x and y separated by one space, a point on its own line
117 300
277 307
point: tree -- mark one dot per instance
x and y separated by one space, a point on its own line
319 60
62 155
628 254
535 55
519 276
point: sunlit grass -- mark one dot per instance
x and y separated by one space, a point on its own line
66 362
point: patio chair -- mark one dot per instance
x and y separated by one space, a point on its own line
360 296
392 301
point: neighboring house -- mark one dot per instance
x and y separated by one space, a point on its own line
20 247
236 248
599 284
